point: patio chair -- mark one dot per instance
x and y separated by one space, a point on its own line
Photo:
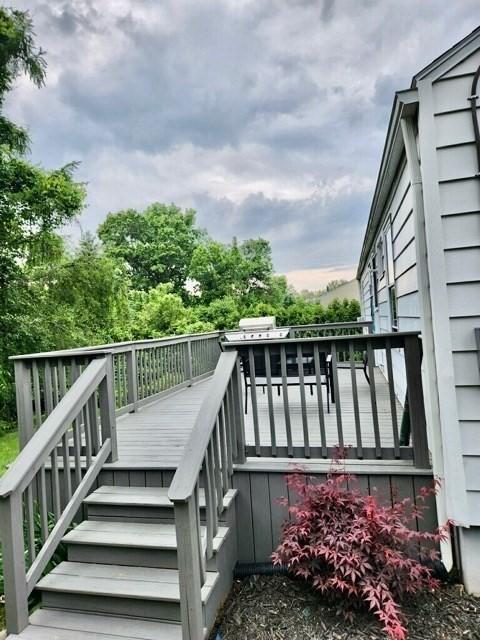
309 379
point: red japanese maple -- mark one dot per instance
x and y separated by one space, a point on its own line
347 544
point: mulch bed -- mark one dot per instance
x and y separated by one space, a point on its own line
281 608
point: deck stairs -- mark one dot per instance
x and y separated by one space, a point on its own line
120 578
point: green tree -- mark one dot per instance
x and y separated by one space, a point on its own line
33 203
156 245
18 54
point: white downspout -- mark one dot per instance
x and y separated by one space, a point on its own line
432 404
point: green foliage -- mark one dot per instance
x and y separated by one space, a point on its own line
156 245
244 271
18 54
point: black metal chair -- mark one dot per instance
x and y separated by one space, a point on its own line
291 371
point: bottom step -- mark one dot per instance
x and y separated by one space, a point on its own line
50 624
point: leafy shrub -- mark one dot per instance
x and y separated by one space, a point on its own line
346 544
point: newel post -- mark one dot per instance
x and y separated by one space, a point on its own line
188 362
132 389
106 392
190 579
416 403
14 573
23 393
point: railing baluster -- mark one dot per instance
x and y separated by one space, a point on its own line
223 450
228 437
93 422
87 428
30 524
132 377
67 480
356 412
55 485
42 503
286 407
271 416
231 419
253 395
201 554
36 394
336 390
238 411
393 400
373 399
301 381
217 469
318 380
210 507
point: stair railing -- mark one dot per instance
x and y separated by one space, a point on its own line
216 442
67 452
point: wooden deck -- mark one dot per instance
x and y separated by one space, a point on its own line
155 436
331 432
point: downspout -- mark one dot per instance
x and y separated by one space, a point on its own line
432 403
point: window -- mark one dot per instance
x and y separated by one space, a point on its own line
375 281
392 297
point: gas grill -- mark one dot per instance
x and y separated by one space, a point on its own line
257 329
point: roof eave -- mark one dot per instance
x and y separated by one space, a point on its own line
404 104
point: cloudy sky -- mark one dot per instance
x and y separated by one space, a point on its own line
266 116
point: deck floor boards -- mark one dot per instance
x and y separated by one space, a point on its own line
331 432
155 436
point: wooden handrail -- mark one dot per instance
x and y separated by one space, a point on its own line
396 338
116 346
86 410
186 476
30 459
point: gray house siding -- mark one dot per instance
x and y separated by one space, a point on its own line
442 209
459 189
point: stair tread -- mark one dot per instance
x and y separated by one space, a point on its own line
52 624
119 581
143 497
132 534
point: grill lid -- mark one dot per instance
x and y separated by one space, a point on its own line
257 329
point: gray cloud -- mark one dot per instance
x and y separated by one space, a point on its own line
268 116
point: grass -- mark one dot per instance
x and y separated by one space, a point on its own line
8 450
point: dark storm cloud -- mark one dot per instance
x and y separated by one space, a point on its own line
268 116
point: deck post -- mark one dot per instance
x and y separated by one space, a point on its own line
189 570
413 364
188 362
132 389
11 535
238 419
107 408
24 398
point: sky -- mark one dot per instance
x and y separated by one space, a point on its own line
268 117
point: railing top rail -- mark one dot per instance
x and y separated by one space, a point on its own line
33 455
395 337
334 325
116 347
185 478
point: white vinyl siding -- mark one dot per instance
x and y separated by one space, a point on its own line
460 210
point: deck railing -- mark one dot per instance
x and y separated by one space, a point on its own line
216 442
318 364
143 371
330 329
33 519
